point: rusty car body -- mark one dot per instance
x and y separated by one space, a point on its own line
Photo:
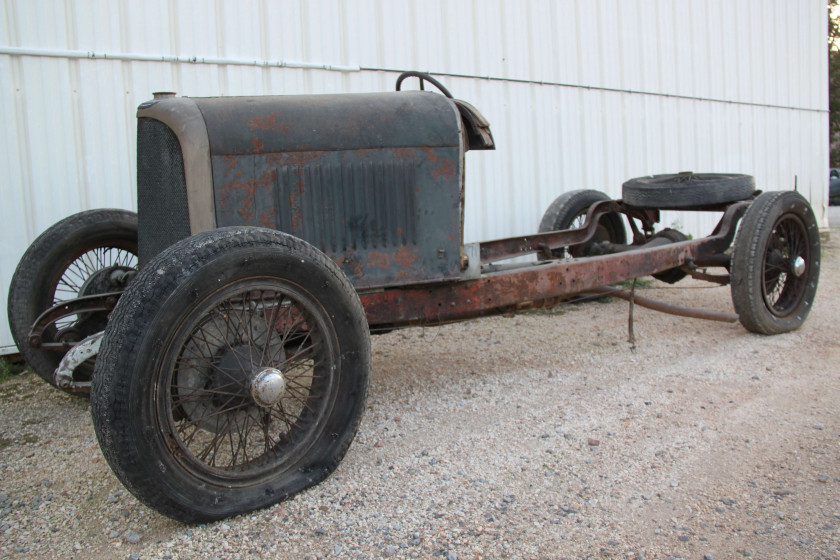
223 331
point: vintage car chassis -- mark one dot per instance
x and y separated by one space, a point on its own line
230 370
488 288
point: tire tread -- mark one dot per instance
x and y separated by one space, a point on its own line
747 262
27 299
111 390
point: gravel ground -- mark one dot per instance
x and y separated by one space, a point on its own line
543 435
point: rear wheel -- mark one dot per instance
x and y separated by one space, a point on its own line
568 211
776 263
232 375
89 253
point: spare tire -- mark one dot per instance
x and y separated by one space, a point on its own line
687 191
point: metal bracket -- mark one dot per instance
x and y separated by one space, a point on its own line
86 349
86 304
473 253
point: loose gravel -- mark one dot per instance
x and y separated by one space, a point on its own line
543 435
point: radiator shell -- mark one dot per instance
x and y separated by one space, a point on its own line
373 180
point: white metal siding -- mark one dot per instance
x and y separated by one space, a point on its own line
580 93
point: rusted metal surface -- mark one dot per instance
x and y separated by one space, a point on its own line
680 310
316 123
373 180
88 304
386 216
501 249
84 350
510 289
543 243
376 182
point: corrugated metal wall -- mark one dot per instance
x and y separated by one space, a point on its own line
580 93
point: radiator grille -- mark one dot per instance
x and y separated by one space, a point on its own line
351 206
163 214
337 206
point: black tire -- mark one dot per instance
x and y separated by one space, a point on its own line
686 191
72 258
174 382
672 275
775 263
568 211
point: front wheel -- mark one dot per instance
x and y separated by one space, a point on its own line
776 263
232 375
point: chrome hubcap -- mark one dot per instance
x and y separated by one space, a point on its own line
798 266
268 386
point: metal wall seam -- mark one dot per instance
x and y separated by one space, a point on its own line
132 57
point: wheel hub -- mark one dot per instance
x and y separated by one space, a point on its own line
108 279
240 378
798 266
268 386
232 379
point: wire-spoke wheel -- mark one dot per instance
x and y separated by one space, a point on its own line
243 393
776 263
232 376
568 211
89 253
785 259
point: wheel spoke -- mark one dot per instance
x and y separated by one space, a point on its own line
220 428
781 285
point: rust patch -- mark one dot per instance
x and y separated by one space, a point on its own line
258 144
405 153
297 212
379 260
266 220
349 263
267 179
289 320
431 155
270 122
246 208
405 257
230 164
446 169
243 193
527 287
293 159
